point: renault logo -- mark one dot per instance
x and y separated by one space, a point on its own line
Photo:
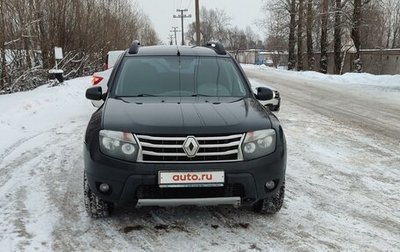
191 146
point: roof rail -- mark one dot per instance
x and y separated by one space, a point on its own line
217 46
134 48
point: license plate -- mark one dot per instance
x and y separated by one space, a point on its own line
191 179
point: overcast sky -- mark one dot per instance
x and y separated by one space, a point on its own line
243 13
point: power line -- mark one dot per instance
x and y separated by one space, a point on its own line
175 30
190 4
170 38
182 16
197 22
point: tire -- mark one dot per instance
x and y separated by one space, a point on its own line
95 207
271 205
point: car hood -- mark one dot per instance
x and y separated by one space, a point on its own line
184 116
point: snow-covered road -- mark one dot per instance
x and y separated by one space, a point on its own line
343 176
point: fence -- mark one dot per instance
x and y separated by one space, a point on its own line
375 61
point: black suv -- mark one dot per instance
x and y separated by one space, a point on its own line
181 126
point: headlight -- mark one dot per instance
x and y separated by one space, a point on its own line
259 143
118 144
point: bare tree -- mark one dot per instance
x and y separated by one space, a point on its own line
391 18
251 38
292 40
392 14
30 29
355 34
338 36
2 46
215 24
337 24
372 30
324 38
300 36
309 26
147 34
276 24
237 39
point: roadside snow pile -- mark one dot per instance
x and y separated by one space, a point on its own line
345 79
28 113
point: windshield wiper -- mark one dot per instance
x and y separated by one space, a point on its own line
146 95
200 95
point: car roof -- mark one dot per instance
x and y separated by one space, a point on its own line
168 50
116 52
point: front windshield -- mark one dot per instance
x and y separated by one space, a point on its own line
184 76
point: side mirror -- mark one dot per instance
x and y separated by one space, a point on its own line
274 108
94 93
264 94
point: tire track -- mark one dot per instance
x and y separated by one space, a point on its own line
17 144
374 116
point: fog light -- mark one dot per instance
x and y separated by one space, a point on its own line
104 187
270 185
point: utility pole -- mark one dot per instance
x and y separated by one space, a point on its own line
171 37
182 16
175 30
197 23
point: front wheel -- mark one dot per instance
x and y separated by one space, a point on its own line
95 207
271 205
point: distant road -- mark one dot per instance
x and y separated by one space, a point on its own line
379 116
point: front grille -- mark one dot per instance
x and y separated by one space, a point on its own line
170 149
155 192
277 96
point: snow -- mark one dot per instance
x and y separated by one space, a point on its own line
342 178
378 86
345 79
29 123
34 112
55 71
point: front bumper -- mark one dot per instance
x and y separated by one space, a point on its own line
132 181
234 201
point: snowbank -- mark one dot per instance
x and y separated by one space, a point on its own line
31 112
345 79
